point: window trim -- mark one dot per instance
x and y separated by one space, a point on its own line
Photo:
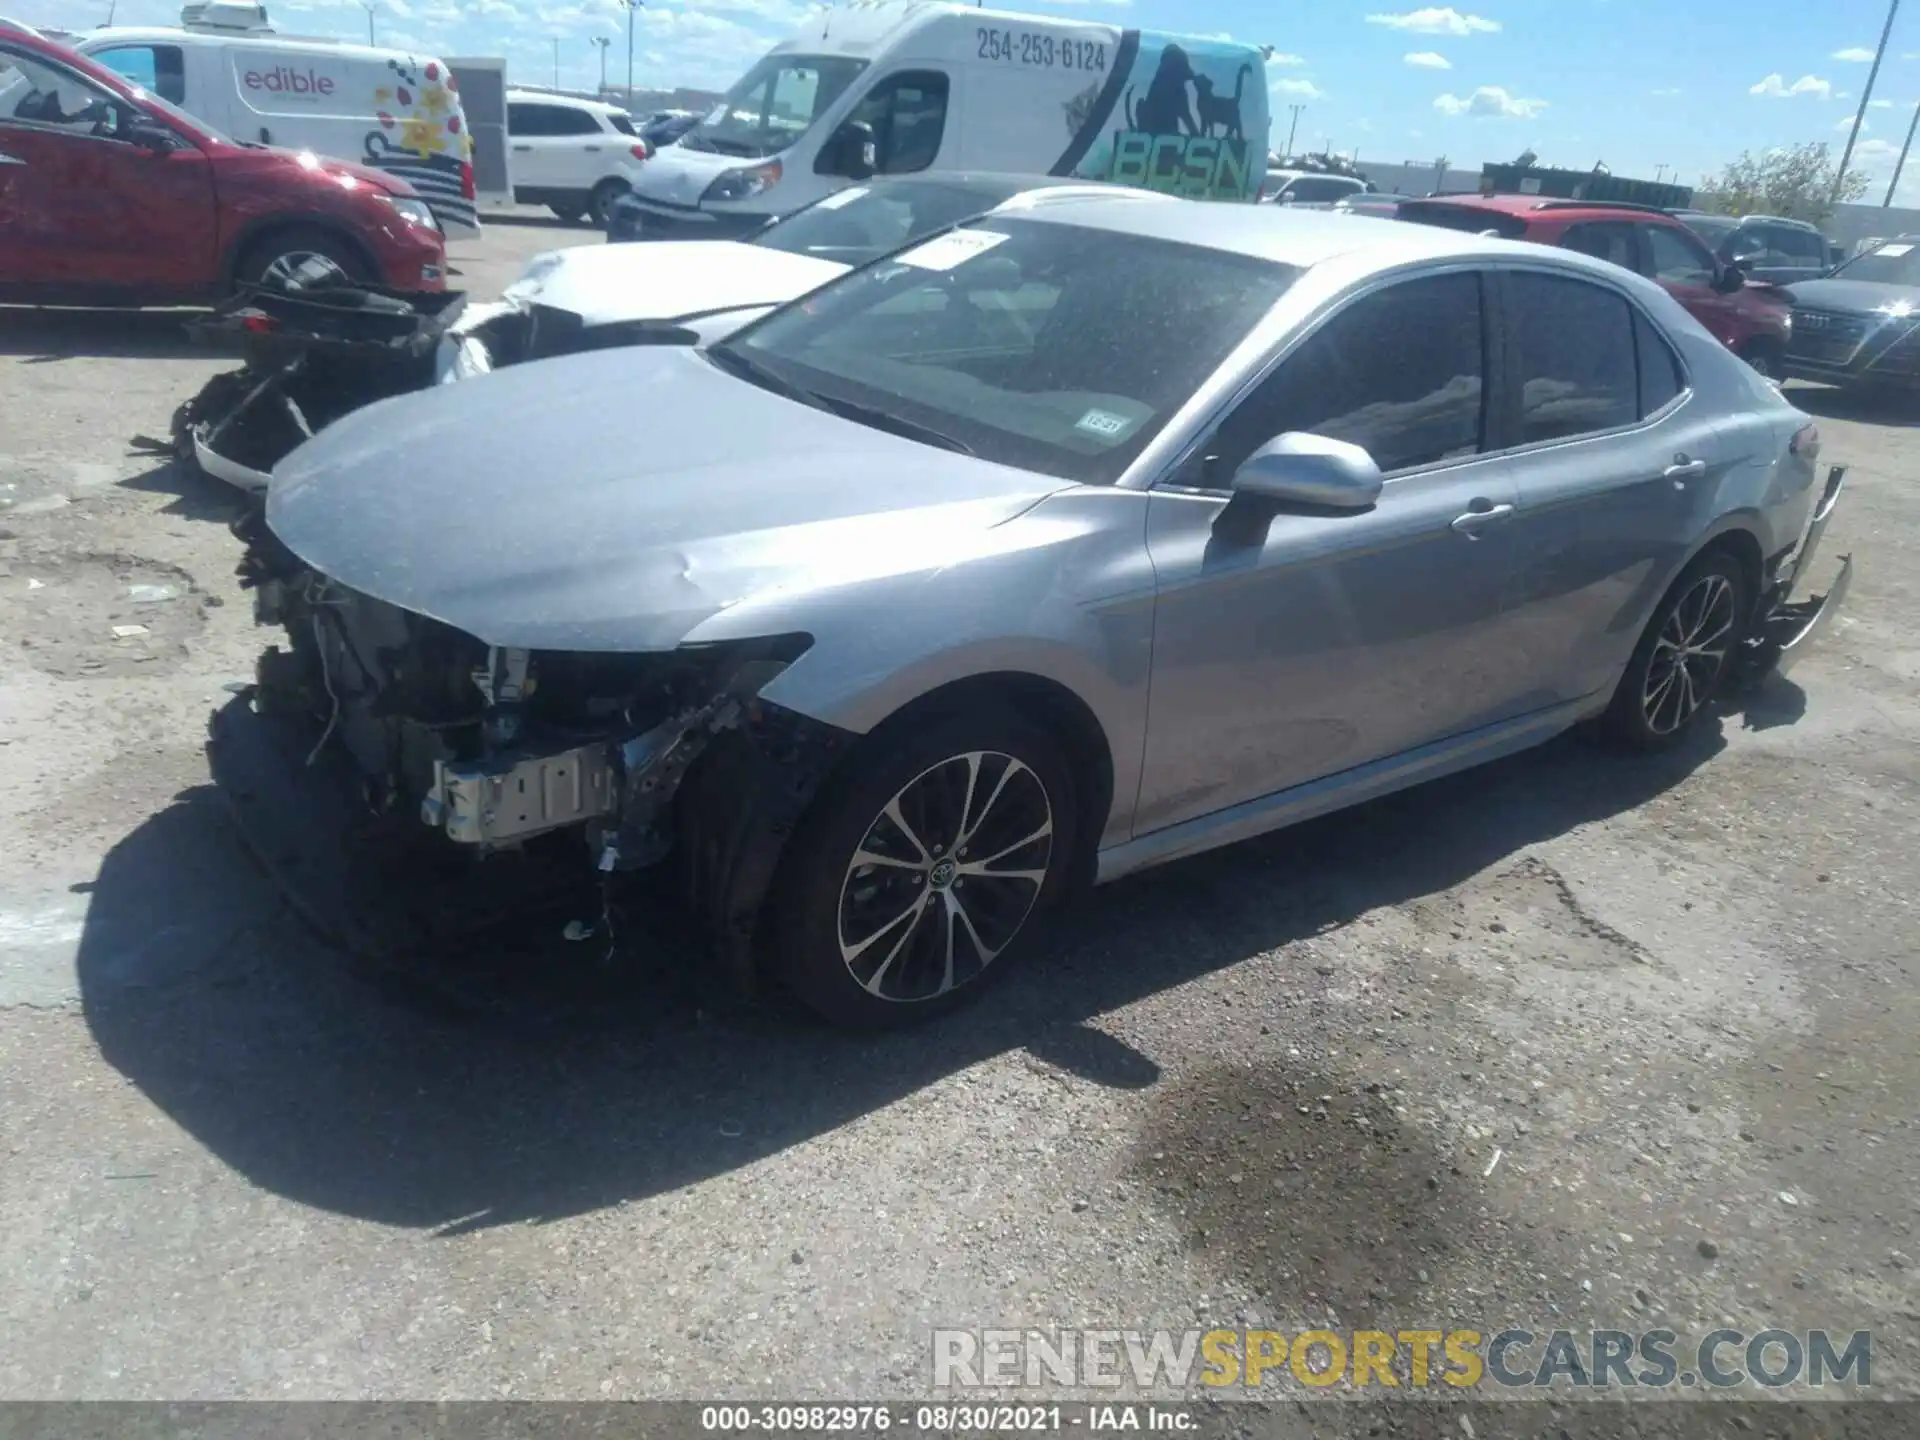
1493 341
1507 392
44 127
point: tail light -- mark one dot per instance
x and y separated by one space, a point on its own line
1806 442
641 152
467 191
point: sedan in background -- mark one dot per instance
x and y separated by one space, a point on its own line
1861 325
1065 543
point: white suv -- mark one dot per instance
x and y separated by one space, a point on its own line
576 157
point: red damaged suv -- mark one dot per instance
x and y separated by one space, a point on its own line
1753 320
111 196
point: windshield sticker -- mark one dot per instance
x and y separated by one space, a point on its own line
1104 423
841 197
943 252
1892 251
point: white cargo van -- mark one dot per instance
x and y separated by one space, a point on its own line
890 88
389 109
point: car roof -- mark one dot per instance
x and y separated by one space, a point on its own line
548 97
1281 235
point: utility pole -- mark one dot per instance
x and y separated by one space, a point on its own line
602 44
1296 109
1901 163
367 6
1860 115
556 62
631 6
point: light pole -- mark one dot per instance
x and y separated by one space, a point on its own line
1901 163
631 6
601 43
1860 115
1296 109
556 62
367 6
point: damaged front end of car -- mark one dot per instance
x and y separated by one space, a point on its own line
579 766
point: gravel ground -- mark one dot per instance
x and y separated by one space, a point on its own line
1674 999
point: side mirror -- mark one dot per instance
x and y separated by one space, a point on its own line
150 135
1731 277
1298 469
849 152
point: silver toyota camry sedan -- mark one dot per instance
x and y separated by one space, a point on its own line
1055 546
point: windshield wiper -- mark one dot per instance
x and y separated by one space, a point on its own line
898 424
753 371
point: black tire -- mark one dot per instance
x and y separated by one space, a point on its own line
907 972
1764 358
1709 606
568 214
604 194
275 254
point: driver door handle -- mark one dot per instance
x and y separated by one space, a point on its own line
1471 523
1683 470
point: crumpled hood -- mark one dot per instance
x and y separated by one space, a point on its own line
1858 297
614 500
668 279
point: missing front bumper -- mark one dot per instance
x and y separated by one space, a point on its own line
502 801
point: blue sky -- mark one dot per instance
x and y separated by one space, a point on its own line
1638 84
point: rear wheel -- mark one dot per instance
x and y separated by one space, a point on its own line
922 866
1684 656
601 201
276 259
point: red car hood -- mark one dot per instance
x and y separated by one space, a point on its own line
367 175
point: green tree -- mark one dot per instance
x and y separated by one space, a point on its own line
1795 181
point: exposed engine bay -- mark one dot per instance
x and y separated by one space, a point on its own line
458 746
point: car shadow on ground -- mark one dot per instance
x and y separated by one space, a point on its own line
319 1087
1867 407
196 494
46 337
535 220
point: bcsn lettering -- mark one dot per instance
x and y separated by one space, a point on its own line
285 80
1199 167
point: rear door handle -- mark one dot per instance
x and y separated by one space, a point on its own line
1471 523
1683 470
523 147
595 149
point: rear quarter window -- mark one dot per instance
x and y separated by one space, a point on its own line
622 124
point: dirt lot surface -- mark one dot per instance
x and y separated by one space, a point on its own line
1568 1042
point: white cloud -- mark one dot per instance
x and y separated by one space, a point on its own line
1775 87
1880 104
1670 90
1489 102
1854 55
1428 60
1305 89
1277 58
1845 122
1437 20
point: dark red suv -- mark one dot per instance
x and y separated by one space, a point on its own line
111 196
1753 320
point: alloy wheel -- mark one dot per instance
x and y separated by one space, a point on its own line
1688 654
1762 365
284 272
945 876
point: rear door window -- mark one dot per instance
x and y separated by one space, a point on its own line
1571 357
1610 240
1317 190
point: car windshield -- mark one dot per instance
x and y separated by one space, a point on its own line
1895 263
773 104
1052 347
1711 228
864 222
